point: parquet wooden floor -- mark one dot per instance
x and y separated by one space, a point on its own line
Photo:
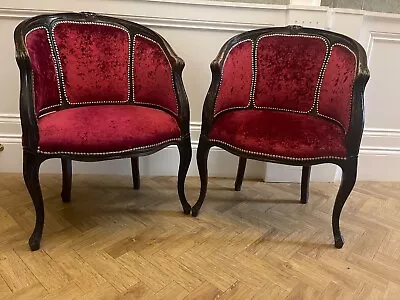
261 243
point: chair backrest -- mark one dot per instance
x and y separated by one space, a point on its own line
84 59
295 69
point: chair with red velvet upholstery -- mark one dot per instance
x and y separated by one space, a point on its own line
287 95
97 88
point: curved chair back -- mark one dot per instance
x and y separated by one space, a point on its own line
74 59
291 69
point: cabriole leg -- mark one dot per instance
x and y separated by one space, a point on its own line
240 173
31 176
305 184
202 158
67 179
135 172
185 152
349 175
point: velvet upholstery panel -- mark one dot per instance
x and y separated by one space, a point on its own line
235 86
105 128
280 133
337 86
44 71
94 60
153 83
288 69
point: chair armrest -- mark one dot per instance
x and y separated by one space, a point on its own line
211 97
30 130
183 103
356 128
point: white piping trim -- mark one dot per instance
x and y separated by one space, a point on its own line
110 152
55 69
47 113
172 74
50 106
61 69
277 156
222 76
320 76
351 95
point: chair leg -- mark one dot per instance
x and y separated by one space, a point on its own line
135 172
305 183
31 176
185 152
67 179
349 175
202 157
240 173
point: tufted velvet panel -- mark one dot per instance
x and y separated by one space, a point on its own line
94 60
153 83
105 128
235 86
288 69
337 86
280 133
43 68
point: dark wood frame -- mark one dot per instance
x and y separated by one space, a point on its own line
32 159
353 136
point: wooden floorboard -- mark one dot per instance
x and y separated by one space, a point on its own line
113 242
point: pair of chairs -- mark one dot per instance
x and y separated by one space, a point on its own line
97 88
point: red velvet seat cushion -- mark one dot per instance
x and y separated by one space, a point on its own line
282 134
105 128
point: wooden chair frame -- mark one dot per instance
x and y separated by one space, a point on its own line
32 158
353 136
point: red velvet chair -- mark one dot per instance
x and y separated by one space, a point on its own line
287 95
97 88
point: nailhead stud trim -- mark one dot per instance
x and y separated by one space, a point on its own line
47 113
61 70
172 76
110 152
276 156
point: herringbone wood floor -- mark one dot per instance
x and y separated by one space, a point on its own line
261 243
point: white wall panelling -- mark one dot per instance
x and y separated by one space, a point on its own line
197 30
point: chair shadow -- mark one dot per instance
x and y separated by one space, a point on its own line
152 212
300 243
254 200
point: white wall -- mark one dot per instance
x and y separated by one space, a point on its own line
196 30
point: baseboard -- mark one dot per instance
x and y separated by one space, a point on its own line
283 173
379 165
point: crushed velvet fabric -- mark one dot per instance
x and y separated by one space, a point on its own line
337 86
287 71
105 128
280 133
153 82
94 61
43 68
236 78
